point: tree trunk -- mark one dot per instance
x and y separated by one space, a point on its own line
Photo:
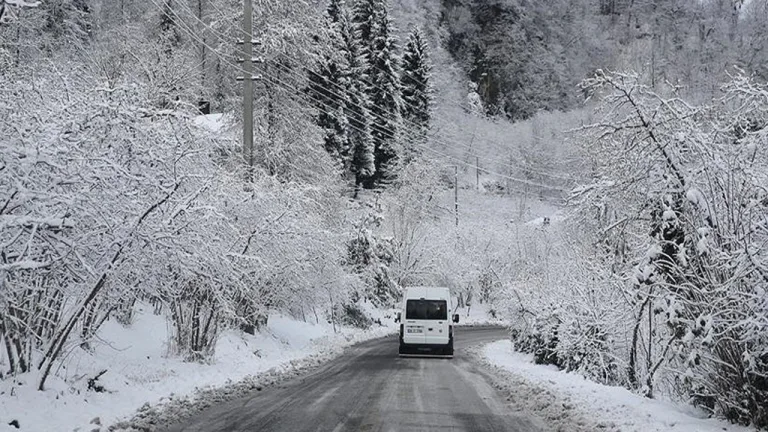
632 367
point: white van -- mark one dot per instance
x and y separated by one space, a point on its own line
425 326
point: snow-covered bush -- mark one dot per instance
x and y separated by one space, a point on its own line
678 200
657 279
107 196
564 308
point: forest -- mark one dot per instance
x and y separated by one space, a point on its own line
113 193
530 56
640 127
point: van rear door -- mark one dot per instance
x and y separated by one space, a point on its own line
426 321
436 331
414 325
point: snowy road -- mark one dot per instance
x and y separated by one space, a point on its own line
371 389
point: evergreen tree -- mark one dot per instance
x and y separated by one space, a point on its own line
335 9
364 19
68 19
169 28
416 88
327 83
342 105
359 134
385 97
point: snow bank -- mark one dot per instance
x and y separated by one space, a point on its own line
573 400
140 374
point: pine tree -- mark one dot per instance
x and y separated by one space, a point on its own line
359 133
385 96
335 9
327 83
68 18
169 27
360 137
342 104
417 90
364 19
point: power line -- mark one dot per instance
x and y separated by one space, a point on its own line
528 182
277 81
290 89
375 67
453 138
456 142
236 67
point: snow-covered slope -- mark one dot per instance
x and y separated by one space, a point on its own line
139 371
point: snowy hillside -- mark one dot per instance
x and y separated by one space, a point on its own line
194 192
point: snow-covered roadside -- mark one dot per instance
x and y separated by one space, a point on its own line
574 403
140 375
477 315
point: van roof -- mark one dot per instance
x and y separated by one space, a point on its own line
441 293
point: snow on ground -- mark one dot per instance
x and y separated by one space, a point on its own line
139 372
571 400
544 220
477 314
213 122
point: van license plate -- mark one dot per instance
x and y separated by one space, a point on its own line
414 330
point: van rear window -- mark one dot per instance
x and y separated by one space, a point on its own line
426 309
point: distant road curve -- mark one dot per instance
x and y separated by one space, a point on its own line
370 388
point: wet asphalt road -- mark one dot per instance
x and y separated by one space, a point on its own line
370 388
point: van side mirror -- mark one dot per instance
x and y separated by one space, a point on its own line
456 318
398 317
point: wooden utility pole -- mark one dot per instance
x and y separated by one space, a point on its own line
456 193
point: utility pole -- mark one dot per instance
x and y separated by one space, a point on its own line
248 84
456 193
247 79
509 173
247 61
477 171
202 44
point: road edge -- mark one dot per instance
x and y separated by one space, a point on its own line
533 400
174 409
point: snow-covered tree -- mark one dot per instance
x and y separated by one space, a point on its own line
183 231
335 10
328 88
68 19
678 191
417 90
359 117
364 18
384 90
